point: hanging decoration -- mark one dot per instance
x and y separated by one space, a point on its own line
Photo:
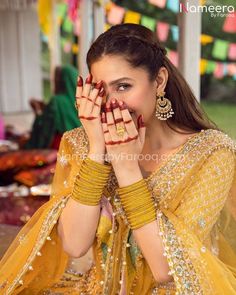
230 23
115 14
73 6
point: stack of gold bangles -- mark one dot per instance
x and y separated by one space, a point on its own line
138 204
90 182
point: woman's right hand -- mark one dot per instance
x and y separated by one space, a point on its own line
89 102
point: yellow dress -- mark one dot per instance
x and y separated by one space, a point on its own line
195 193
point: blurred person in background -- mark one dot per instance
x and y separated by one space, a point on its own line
59 115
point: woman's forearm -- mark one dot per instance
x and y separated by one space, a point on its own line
79 219
77 227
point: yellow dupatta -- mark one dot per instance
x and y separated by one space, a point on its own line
191 190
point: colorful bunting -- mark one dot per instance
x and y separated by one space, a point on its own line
158 3
175 33
67 47
115 15
148 22
67 25
219 71
232 69
206 39
220 49
174 57
230 23
75 48
77 27
73 9
45 16
173 5
210 68
203 65
232 51
162 31
132 17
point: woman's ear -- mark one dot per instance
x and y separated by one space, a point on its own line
162 78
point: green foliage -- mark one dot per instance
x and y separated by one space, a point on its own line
223 114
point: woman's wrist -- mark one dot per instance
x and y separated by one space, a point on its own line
90 182
137 203
127 172
97 155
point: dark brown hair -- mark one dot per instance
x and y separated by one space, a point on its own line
140 47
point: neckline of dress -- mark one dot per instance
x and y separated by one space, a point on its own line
171 157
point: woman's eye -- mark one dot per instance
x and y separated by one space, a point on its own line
123 87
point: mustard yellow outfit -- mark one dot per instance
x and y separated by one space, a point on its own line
195 201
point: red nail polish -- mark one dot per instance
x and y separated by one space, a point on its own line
114 104
89 79
80 81
122 105
98 85
103 118
140 122
101 92
108 107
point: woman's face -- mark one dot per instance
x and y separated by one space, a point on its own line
123 82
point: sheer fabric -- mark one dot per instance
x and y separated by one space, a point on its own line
195 192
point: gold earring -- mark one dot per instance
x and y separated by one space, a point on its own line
164 109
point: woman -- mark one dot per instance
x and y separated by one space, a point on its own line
59 115
144 183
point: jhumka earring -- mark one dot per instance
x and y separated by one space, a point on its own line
164 109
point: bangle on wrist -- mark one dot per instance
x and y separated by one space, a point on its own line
139 210
90 182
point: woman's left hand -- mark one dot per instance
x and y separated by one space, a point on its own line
123 150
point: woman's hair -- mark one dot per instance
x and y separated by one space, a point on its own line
140 47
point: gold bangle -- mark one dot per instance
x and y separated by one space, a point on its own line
140 211
90 182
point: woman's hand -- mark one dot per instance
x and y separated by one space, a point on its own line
89 103
123 150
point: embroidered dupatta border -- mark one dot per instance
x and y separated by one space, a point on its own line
49 222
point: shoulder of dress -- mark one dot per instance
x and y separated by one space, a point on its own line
77 140
214 141
218 139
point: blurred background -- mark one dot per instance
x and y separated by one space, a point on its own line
43 46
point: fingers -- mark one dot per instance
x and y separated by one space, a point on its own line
89 100
91 97
78 93
129 123
111 123
141 129
98 103
118 119
107 136
85 93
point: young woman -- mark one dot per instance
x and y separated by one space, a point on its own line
145 182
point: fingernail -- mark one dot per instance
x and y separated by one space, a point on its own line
89 79
103 118
140 122
101 92
80 81
122 105
98 85
108 107
114 104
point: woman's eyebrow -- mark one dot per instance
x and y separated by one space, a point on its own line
119 80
